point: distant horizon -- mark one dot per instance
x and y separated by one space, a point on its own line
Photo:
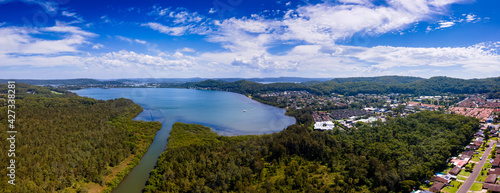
215 78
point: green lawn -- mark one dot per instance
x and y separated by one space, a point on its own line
425 186
475 157
461 178
476 187
481 178
487 165
453 189
464 173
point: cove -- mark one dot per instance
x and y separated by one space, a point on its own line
225 112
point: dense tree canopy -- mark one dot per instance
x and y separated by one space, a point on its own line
391 156
65 141
353 86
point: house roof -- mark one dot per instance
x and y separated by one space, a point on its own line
436 187
492 178
469 153
496 161
455 170
439 179
492 187
459 163
494 171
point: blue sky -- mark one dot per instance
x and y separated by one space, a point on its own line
241 38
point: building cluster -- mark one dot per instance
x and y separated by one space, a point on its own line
345 111
304 99
479 101
483 114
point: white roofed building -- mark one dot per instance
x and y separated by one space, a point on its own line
324 125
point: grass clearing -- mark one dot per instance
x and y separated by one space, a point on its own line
461 178
476 187
464 173
456 186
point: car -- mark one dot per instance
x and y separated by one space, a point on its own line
480 158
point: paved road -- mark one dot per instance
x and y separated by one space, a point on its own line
472 177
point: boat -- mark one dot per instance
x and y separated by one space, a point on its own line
244 110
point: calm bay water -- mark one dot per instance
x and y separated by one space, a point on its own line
226 113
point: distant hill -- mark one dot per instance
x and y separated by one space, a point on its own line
345 86
365 85
379 79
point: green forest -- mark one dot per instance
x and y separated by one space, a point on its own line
353 86
67 143
393 156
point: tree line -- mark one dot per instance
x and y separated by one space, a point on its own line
353 86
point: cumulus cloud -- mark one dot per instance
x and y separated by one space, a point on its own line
19 40
328 23
130 59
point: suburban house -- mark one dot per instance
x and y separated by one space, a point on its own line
491 179
492 187
440 179
496 162
455 170
436 187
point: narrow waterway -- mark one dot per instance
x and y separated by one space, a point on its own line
226 113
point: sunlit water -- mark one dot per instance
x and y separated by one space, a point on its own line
226 113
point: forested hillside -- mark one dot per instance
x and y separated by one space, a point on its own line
365 85
67 143
391 156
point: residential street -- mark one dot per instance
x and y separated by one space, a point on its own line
468 183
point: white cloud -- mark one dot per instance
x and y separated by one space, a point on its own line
327 23
129 40
472 18
105 19
178 16
173 31
97 46
446 24
68 14
130 59
140 41
73 15
186 49
3 23
17 40
212 11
